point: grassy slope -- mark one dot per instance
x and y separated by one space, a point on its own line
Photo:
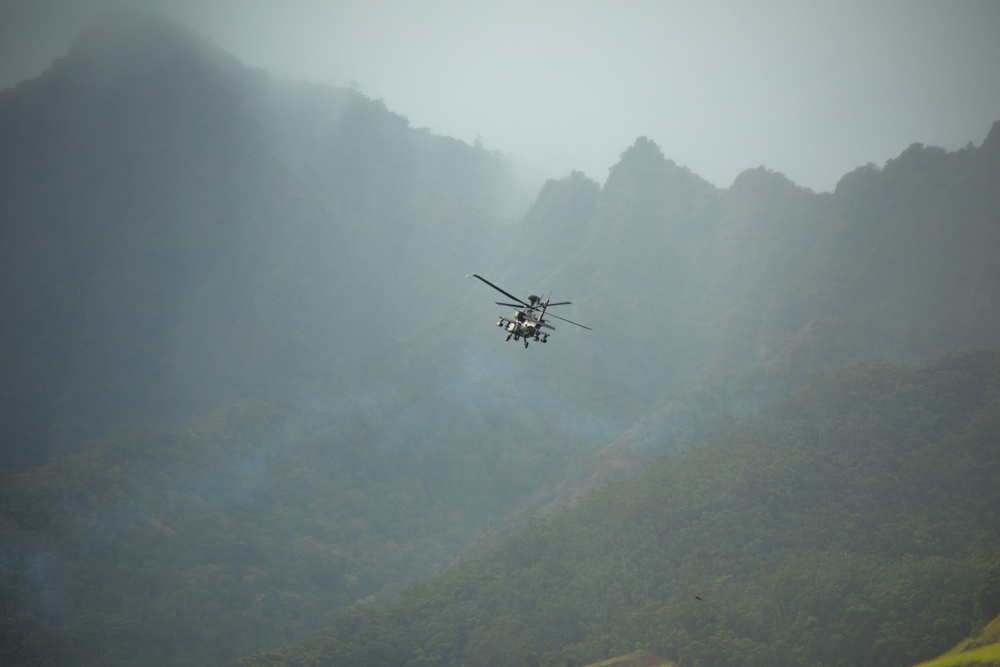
635 660
983 650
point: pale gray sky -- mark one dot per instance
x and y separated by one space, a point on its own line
812 89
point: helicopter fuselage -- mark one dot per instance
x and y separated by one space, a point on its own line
523 326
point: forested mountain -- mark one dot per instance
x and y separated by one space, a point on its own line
180 230
982 650
244 384
854 523
898 262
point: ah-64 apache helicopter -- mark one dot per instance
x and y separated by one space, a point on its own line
528 320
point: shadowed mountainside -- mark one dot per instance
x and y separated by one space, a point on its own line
180 231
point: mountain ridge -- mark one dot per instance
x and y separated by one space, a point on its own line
187 195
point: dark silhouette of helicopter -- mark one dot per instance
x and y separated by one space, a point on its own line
528 321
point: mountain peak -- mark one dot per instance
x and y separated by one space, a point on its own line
760 177
641 155
992 142
128 43
643 162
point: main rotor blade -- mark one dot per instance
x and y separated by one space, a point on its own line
512 305
560 303
506 294
571 322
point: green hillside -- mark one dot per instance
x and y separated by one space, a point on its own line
854 523
982 650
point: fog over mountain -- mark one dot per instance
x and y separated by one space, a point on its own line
811 90
246 388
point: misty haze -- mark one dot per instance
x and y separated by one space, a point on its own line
255 407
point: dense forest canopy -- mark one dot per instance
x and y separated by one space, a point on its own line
853 523
244 386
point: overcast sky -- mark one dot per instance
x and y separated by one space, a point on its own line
811 89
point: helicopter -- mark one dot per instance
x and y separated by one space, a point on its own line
528 321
